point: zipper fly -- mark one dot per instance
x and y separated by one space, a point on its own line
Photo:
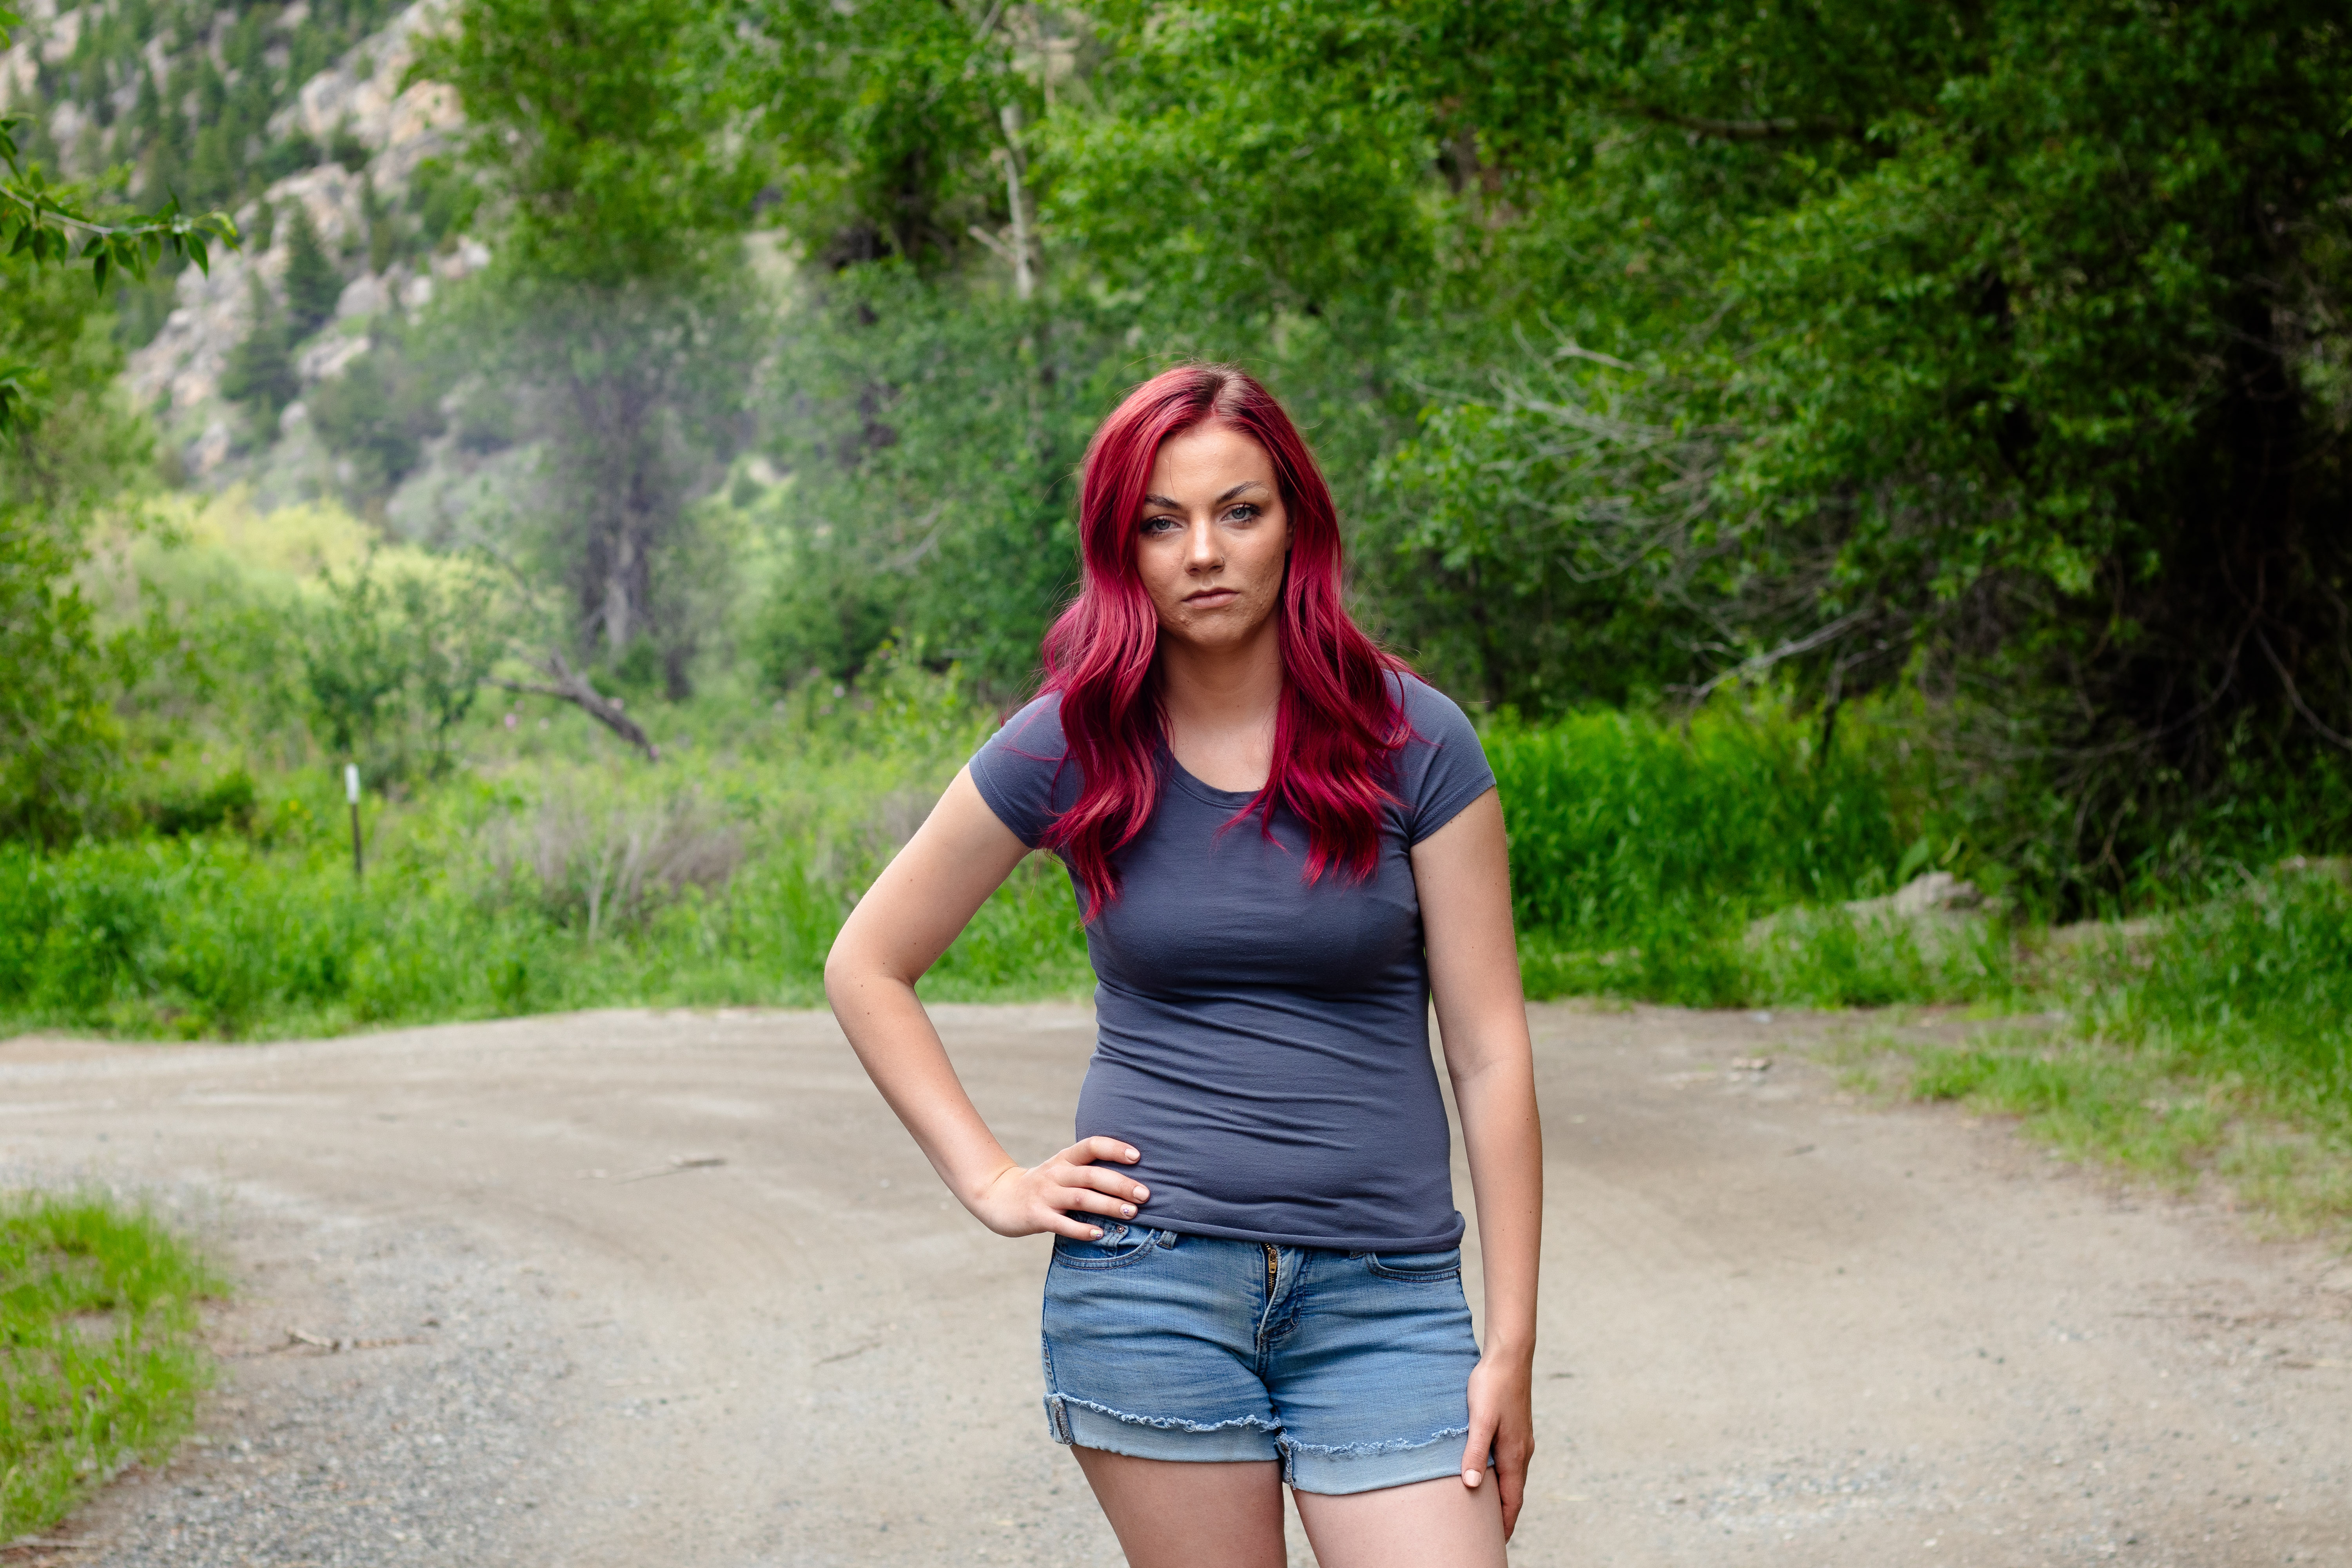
1272 1278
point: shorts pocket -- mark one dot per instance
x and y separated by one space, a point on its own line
1120 1245
1417 1267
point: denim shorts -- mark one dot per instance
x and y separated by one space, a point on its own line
1351 1368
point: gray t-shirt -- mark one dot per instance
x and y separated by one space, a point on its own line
1264 1042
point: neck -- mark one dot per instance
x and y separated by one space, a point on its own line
1215 691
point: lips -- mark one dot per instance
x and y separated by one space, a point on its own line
1212 598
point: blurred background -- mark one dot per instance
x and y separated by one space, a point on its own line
1877 473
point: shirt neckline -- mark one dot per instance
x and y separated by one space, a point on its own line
1232 799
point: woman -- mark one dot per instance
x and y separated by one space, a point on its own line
1283 844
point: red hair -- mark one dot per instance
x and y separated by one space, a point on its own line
1339 722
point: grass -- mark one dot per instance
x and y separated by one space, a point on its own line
1644 855
1720 864
532 882
545 876
100 1363
2216 1045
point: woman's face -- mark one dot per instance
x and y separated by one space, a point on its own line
1213 538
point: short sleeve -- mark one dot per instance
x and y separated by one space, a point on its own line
1443 767
1024 771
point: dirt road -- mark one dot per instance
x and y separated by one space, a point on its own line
1778 1328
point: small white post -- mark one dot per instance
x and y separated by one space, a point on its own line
352 793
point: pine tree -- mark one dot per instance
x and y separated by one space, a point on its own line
313 283
381 233
260 369
147 115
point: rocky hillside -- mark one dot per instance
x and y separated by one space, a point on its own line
302 127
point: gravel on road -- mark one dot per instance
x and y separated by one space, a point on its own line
630 1288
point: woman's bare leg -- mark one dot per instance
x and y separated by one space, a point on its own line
1172 1514
1416 1526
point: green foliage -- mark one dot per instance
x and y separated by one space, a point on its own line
313 283
226 804
620 296
443 199
933 442
601 125
1551 544
344 147
69 445
59 739
826 616
2254 989
891 118
2209 1042
381 410
1711 864
201 937
42 224
556 885
100 1359
206 140
1616 821
1929 355
260 371
1243 162
394 663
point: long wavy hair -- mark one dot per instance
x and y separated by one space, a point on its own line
1339 723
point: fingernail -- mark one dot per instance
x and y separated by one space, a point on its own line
1127 1211
1132 1154
1095 1231
1141 1193
1471 1478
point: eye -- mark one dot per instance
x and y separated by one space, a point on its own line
1243 512
1162 524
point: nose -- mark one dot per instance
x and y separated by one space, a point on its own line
1202 550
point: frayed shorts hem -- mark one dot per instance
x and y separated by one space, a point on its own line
1306 1467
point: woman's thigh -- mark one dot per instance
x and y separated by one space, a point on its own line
1169 1514
1415 1526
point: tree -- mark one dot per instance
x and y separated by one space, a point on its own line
1992 349
59 738
896 122
382 408
70 443
314 284
2022 357
61 443
260 371
393 662
620 290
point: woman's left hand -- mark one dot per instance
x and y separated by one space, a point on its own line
1502 1422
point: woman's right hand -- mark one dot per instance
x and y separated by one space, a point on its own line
1022 1202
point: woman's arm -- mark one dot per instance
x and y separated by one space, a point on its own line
919 905
1463 874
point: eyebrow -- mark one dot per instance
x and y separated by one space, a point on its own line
1174 505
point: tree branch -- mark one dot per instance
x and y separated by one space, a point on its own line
1791 649
2295 696
572 687
1738 130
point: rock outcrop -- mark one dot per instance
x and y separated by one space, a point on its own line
178 374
